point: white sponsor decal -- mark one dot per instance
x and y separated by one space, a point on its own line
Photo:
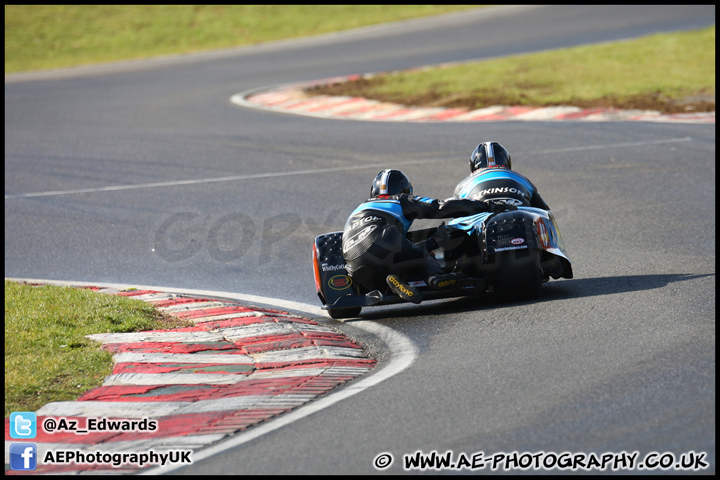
492 191
331 268
371 218
506 201
359 237
511 248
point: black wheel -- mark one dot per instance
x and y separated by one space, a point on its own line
338 313
518 276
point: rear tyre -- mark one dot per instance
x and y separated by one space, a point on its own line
339 313
518 276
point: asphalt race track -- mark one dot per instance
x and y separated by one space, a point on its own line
146 173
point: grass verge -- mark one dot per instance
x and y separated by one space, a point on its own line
47 357
53 36
672 73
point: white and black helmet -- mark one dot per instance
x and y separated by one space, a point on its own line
390 182
490 155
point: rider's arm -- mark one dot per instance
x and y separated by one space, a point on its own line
423 207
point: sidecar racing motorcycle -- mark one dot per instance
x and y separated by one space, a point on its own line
508 254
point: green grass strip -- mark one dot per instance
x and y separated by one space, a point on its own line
53 36
47 357
657 71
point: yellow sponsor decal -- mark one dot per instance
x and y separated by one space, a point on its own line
447 283
340 282
401 287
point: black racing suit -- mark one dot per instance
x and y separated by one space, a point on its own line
375 233
500 185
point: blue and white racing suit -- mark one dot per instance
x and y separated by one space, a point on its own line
500 185
375 233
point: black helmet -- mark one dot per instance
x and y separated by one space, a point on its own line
390 182
490 155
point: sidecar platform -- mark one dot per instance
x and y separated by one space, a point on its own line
469 287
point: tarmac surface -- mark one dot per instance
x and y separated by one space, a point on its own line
238 366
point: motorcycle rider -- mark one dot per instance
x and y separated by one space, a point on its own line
375 243
493 180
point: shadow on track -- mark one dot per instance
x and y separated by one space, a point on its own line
551 291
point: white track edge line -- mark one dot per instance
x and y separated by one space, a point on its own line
311 171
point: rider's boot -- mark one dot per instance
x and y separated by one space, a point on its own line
437 280
405 291
445 281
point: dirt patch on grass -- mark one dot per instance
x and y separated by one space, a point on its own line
654 101
698 102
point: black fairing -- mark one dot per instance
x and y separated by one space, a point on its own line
333 277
